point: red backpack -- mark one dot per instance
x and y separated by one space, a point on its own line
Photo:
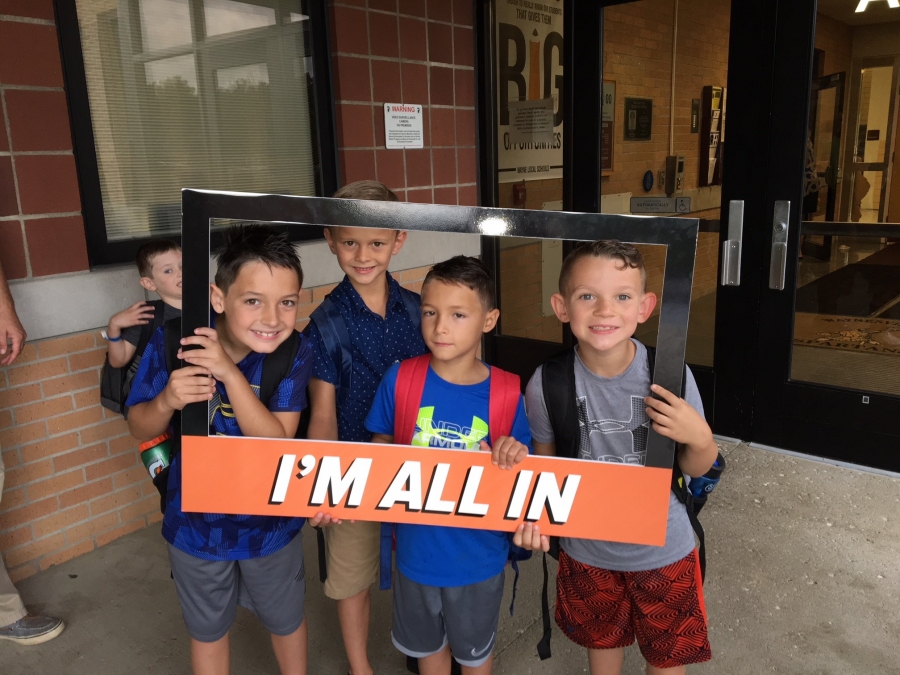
502 407
504 399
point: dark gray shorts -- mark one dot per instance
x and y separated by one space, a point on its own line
427 618
272 587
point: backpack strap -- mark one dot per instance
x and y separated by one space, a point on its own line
413 304
408 395
149 329
171 345
505 390
679 484
333 330
116 384
558 385
277 366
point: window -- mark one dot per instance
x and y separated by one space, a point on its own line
214 94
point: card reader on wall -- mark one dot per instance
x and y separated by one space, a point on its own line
674 174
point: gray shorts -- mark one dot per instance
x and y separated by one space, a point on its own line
272 587
427 618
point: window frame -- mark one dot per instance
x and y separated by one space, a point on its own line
101 251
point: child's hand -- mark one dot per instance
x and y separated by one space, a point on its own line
188 385
323 520
528 536
210 356
139 314
674 418
507 452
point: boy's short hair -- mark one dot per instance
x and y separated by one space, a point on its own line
147 252
367 189
242 244
609 249
465 271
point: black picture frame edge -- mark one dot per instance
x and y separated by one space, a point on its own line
679 235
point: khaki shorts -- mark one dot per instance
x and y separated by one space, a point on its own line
352 552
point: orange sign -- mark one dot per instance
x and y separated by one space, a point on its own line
403 484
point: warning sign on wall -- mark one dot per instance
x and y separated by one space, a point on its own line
403 126
529 91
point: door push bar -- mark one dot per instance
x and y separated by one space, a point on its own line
731 247
778 259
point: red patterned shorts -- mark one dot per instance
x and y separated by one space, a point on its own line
663 608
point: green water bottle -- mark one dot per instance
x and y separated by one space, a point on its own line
157 454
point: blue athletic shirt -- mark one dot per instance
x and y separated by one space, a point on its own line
216 536
376 344
450 416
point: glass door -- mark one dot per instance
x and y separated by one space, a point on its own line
828 348
661 100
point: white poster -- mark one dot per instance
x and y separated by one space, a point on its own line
529 76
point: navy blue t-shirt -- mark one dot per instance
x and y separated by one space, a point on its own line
451 416
376 344
216 536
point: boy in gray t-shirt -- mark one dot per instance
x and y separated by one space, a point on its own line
610 593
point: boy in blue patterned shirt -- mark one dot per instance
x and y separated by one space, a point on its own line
219 561
380 327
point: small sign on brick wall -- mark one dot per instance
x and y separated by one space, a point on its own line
403 126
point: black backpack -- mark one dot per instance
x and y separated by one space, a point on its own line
558 384
276 367
115 383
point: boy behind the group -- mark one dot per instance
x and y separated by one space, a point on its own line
219 561
609 593
379 326
449 581
159 264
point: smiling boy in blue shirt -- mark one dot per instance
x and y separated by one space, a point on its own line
219 561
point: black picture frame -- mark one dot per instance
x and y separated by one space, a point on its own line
201 207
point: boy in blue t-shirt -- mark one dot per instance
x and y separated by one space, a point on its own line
380 321
449 581
219 561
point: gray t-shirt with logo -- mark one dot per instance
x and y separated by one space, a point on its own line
613 409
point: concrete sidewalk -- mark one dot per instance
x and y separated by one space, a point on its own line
803 579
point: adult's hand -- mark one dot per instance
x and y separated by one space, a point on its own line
11 329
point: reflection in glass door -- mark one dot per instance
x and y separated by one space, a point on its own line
665 94
846 328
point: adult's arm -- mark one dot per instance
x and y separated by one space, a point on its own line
11 329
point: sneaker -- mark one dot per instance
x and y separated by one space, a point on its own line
32 630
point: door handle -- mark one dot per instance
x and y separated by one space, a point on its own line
778 259
731 247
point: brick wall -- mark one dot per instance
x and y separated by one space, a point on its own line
74 480
416 52
41 230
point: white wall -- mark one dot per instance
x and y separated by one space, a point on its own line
72 303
